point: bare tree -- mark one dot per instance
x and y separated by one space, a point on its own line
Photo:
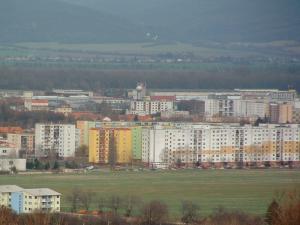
154 213
224 217
112 155
7 216
273 212
85 198
82 151
115 203
101 204
288 209
190 212
74 198
130 204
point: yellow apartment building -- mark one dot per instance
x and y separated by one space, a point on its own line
123 145
40 199
106 141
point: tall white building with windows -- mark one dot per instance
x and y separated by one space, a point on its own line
150 107
221 143
55 139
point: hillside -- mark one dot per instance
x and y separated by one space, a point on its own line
221 20
101 21
51 20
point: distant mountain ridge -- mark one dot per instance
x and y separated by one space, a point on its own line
140 20
212 20
58 21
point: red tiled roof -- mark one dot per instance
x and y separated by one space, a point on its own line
130 117
86 115
16 130
39 101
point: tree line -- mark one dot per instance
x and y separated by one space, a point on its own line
25 78
28 119
283 210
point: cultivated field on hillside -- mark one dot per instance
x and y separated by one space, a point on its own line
247 190
205 49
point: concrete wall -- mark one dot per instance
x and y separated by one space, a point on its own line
7 164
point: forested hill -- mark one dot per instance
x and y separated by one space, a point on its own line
21 78
213 20
162 20
53 20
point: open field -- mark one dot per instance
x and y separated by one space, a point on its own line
141 48
196 57
248 190
205 50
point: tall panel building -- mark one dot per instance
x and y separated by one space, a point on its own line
221 143
55 139
110 144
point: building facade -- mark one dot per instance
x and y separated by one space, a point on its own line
220 144
150 107
113 145
23 200
9 164
55 139
36 104
23 142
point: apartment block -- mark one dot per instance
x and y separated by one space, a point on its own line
285 113
251 108
36 104
100 145
24 142
57 139
233 106
150 107
111 142
146 145
281 113
136 138
296 115
5 194
8 150
29 200
84 127
220 143
220 105
64 109
123 145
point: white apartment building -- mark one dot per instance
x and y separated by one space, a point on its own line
234 106
56 139
219 107
22 141
221 143
250 108
8 150
162 146
146 145
268 94
150 107
5 194
22 200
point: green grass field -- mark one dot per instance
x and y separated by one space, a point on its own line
248 190
141 48
41 51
